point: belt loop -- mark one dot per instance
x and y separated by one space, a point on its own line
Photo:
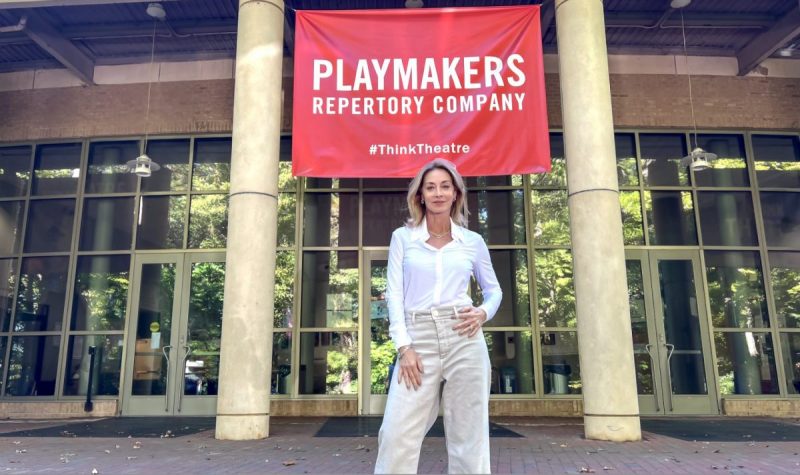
413 318
455 312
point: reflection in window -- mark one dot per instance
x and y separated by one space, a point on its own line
212 164
14 170
625 145
40 298
281 362
107 364
101 293
781 213
56 169
173 156
330 219
746 363
661 158
551 217
383 213
3 343
386 183
560 364
729 168
642 360
499 180
498 216
558 172
328 363
284 289
555 294
511 267
161 222
32 366
208 222
204 329
777 160
49 226
330 289
727 218
108 172
670 218
287 214
8 279
736 289
790 342
11 215
381 352
107 224
326 183
785 277
630 205
153 329
511 357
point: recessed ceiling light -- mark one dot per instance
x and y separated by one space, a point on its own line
679 3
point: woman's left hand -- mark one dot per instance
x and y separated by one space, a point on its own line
472 318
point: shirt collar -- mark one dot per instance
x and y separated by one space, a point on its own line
421 232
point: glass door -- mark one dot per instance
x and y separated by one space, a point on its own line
173 345
377 348
670 333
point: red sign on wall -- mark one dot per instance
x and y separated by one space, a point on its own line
378 93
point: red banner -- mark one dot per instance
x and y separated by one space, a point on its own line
378 93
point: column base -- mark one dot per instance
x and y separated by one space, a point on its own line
242 427
612 428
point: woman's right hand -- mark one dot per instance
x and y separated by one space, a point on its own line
410 369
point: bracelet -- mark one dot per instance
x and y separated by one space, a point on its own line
402 352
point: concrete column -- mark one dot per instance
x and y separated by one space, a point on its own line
246 347
611 409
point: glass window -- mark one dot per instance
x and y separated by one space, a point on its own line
383 213
325 183
32 366
746 363
625 145
284 289
8 279
387 183
3 343
670 218
287 218
558 172
11 214
727 218
108 172
208 222
56 169
161 222
330 219
555 294
661 159
730 168
204 328
173 156
498 216
499 180
107 364
785 277
511 356
790 342
286 181
50 225
642 360
330 289
551 217
736 289
781 213
212 164
560 364
328 363
281 362
630 204
107 224
777 159
40 298
101 293
14 170
511 267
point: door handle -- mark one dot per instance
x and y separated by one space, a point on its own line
186 352
166 350
670 349
648 347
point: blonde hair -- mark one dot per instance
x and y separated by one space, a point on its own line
416 209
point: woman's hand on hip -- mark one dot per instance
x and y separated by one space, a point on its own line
472 318
410 368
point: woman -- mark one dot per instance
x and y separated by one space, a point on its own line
441 352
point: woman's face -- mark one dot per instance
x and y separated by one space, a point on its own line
438 191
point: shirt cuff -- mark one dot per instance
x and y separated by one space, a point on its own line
489 315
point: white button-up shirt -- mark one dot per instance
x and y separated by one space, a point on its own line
421 276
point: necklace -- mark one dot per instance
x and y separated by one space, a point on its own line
438 236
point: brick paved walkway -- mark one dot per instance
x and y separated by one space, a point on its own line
549 446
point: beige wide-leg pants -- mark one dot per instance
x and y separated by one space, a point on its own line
457 372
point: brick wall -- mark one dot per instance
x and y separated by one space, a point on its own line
639 101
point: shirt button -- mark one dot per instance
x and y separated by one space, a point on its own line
435 313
